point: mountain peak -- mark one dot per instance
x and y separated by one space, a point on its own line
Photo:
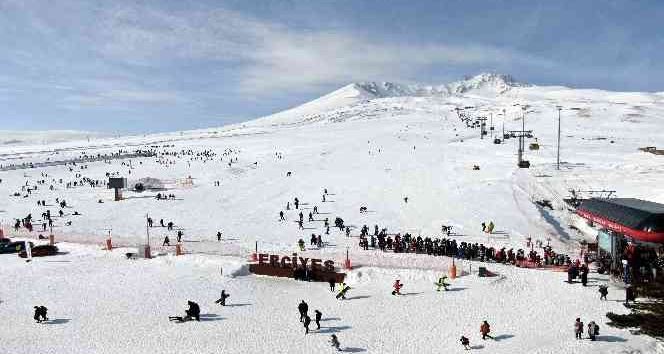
496 83
487 83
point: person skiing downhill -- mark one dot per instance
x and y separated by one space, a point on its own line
397 287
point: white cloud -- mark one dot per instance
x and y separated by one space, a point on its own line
271 57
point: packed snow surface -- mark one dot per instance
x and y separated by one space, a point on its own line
368 144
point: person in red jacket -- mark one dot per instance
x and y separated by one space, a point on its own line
397 287
485 329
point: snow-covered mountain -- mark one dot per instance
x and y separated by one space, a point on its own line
495 94
370 145
483 83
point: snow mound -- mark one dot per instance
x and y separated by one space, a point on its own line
148 183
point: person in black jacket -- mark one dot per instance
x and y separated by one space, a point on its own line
222 298
303 308
319 315
194 311
307 321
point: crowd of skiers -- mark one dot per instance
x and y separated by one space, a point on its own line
408 243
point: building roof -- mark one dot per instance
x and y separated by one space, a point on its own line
633 213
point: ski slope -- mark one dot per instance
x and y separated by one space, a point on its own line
369 144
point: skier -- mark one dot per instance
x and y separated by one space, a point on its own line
303 308
603 291
465 342
319 315
485 329
180 233
297 203
334 341
311 217
161 222
300 224
301 217
578 328
166 242
331 282
323 198
281 216
442 283
347 231
342 292
287 205
307 321
315 209
219 236
483 227
397 287
222 298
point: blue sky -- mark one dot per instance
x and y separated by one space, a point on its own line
146 66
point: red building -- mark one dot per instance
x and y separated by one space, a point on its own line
627 229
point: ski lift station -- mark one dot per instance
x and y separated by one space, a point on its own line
626 228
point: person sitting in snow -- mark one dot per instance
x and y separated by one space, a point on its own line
193 312
442 283
40 314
